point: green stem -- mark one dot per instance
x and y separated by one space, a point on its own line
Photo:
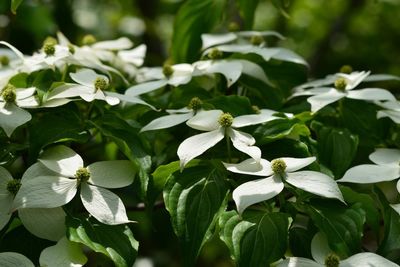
64 75
228 147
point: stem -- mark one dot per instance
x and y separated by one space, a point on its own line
64 75
228 147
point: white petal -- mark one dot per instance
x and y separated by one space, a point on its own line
288 55
167 121
251 167
256 191
230 69
103 204
11 117
353 79
315 182
371 94
62 160
44 223
6 197
369 173
13 259
118 44
69 90
246 120
64 254
320 247
111 100
367 259
112 174
209 40
36 170
144 88
253 70
55 102
129 99
392 114
294 164
380 77
4 218
29 102
182 74
134 56
196 145
25 92
298 262
396 207
319 101
385 156
86 77
244 142
205 120
313 91
15 50
45 192
88 97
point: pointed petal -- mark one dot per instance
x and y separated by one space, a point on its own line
134 56
209 40
13 259
62 160
29 102
385 156
256 191
313 91
45 192
36 170
4 218
253 70
44 223
205 120
86 77
367 259
182 74
103 204
230 69
298 262
251 167
167 121
353 79
371 94
144 88
369 173
69 90
111 100
55 102
253 119
319 101
25 92
315 182
244 142
64 254
196 145
112 174
288 55
294 164
118 44
320 247
392 114
130 99
11 117
14 49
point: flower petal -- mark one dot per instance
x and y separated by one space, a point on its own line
134 56
129 99
371 94
118 44
253 70
69 90
319 101
396 207
294 164
353 79
22 93
64 254
45 192
320 247
315 182
230 69
6 198
44 223
112 174
367 259
103 204
392 114
244 142
298 262
256 191
196 145
62 160
209 39
11 117
13 259
313 91
37 170
167 121
86 77
385 156
251 167
182 74
144 88
246 120
369 173
205 120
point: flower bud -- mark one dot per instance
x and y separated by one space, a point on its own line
256 40
233 26
332 260
278 166
346 69
195 104
4 60
167 70
49 49
215 53
100 83
50 40
8 94
341 84
225 120
82 174
88 39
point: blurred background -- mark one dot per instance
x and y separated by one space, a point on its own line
328 34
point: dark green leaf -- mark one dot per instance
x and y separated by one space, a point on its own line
278 129
236 105
14 5
247 11
300 242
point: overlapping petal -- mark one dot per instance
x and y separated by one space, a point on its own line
62 160
111 174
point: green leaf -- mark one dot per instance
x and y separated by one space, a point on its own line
194 199
236 105
278 129
116 241
193 19
14 5
300 242
247 11
342 225
282 6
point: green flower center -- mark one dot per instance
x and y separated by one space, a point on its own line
233 26
82 174
49 49
100 83
332 260
9 95
346 69
256 39
13 186
167 70
195 104
256 109
215 53
278 166
4 60
88 39
225 120
50 40
340 84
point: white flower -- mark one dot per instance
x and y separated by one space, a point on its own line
324 257
344 85
49 191
276 172
90 86
391 110
218 125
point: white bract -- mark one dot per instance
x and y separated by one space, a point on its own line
390 109
276 173
218 125
325 257
344 85
69 175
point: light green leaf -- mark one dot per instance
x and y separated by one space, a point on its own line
64 254
12 259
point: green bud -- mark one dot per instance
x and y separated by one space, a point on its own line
332 260
49 49
88 39
71 48
233 26
100 83
82 174
256 40
167 70
4 60
346 69
195 103
225 120
278 166
50 40
215 53
341 84
9 95
256 109
13 186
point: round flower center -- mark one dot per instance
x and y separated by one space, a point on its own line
332 260
88 39
13 186
50 40
100 83
233 26
278 166
9 95
256 109
215 53
82 174
49 49
256 40
346 69
225 120
195 103
4 60
167 70
340 84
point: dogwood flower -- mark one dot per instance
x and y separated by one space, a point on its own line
218 125
391 110
49 191
343 87
278 172
324 257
